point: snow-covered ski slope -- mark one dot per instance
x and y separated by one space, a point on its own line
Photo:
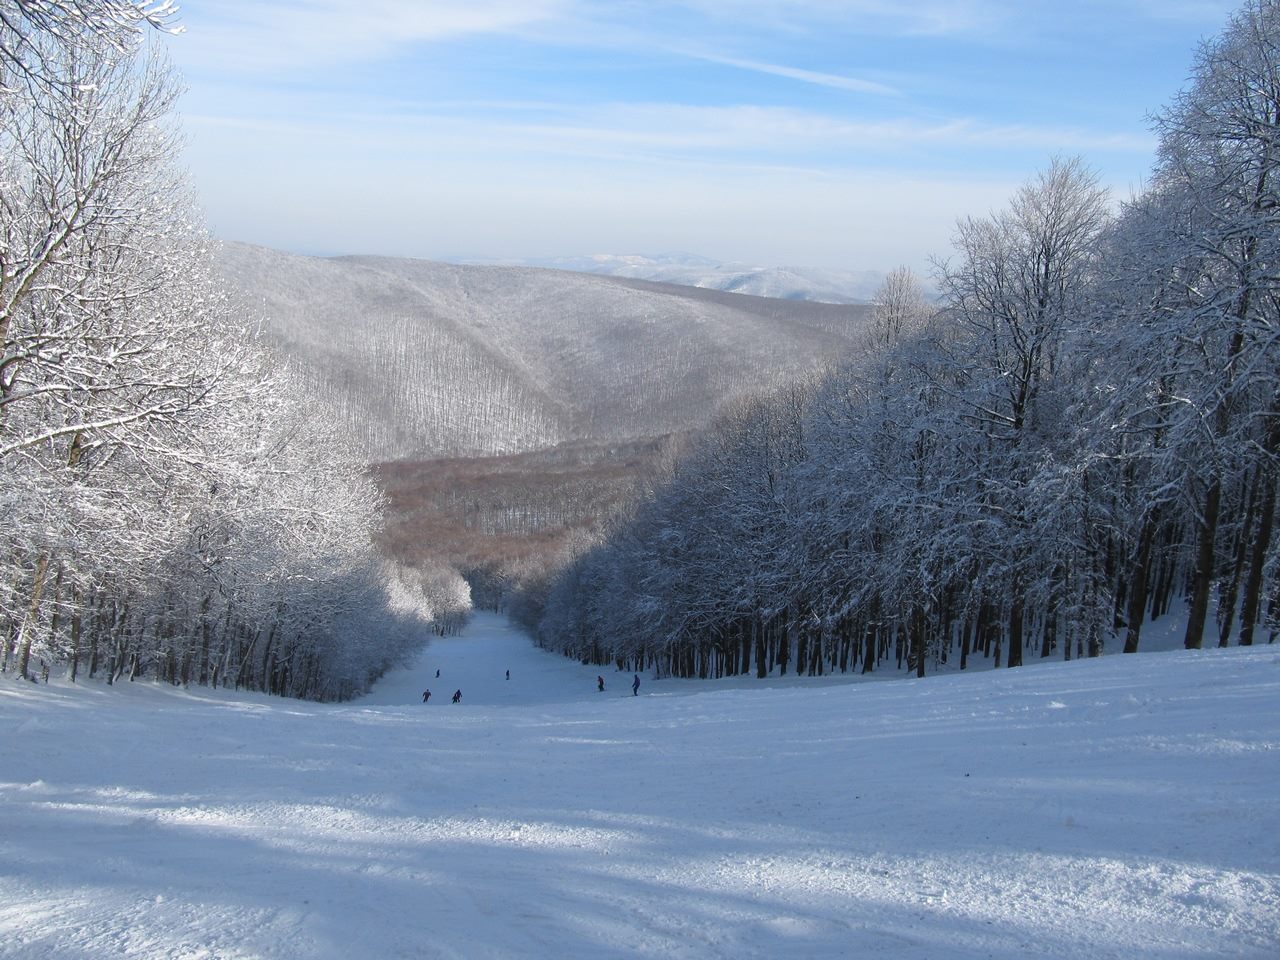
1117 808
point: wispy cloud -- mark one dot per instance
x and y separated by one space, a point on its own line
1192 11
282 36
783 131
879 17
679 131
835 81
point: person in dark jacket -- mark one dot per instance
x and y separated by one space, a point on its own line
600 684
457 696
426 695
635 686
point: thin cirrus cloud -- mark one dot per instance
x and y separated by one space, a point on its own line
816 77
659 129
282 35
752 136
882 17
783 132
278 37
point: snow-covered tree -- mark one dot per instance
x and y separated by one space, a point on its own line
1219 167
172 505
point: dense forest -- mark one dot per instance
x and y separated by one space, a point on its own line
1082 434
172 505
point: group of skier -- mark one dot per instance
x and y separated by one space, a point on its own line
457 694
635 685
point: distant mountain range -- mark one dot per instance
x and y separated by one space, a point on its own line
424 359
691 270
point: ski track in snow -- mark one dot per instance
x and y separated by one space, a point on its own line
1115 808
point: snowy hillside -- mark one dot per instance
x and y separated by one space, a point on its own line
1122 807
428 359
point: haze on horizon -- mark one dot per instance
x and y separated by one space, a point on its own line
841 135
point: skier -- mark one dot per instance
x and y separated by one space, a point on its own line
635 686
600 684
457 696
426 695
437 673
508 674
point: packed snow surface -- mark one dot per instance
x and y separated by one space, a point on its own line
1115 808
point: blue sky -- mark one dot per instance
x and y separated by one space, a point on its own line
816 133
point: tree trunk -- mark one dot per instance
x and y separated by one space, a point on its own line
55 618
916 639
76 621
1015 629
204 651
95 633
1135 611
1204 568
1257 562
1163 599
1229 596
27 630
10 645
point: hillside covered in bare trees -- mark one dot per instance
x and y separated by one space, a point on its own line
422 359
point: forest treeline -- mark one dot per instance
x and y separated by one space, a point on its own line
1084 434
170 504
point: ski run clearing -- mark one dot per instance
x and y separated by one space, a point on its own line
1115 808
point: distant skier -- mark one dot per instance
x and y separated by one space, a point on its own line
635 686
600 684
508 674
426 695
457 696
437 673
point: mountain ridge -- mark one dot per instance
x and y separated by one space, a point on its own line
687 269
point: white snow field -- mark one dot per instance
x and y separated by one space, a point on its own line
1126 807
